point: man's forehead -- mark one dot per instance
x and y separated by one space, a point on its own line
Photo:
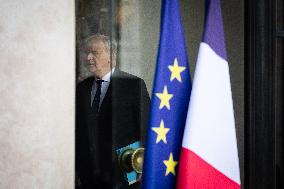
95 44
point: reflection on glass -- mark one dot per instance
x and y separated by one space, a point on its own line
133 25
92 17
111 95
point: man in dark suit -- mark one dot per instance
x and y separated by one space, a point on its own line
111 112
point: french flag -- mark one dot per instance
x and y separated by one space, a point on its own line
209 155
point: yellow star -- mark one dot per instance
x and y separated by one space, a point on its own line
170 164
176 70
161 132
165 98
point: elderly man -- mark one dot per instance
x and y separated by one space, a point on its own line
111 112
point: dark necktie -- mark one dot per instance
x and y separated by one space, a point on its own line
96 101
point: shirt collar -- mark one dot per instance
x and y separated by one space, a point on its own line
107 77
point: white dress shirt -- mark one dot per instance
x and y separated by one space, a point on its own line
106 80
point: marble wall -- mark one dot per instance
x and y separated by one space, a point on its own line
37 66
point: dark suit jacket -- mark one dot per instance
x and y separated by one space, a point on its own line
121 120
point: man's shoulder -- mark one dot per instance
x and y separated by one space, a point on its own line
118 74
86 82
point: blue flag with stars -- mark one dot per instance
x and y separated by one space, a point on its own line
170 98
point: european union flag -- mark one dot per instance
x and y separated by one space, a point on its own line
170 100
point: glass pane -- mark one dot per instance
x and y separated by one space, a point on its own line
92 17
133 28
94 48
133 76
279 113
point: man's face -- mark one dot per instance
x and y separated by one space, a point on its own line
98 58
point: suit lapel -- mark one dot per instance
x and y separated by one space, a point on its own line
87 98
106 103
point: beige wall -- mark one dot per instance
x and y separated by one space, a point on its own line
37 94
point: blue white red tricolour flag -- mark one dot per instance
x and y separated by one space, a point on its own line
209 156
169 104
